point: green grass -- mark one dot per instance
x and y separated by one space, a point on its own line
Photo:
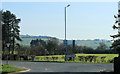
43 58
6 68
108 56
91 43
61 58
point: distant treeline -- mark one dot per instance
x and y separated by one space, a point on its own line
54 47
40 47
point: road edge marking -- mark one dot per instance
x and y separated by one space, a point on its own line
20 71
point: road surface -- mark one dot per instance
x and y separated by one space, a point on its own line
61 67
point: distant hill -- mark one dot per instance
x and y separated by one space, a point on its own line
90 43
36 37
26 39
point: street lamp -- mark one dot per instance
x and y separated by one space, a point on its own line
65 43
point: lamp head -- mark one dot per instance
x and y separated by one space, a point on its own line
68 5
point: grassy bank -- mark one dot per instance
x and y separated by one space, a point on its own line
60 58
6 68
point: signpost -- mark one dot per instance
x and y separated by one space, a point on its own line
8 46
69 55
73 43
65 47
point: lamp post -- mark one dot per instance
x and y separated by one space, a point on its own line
65 43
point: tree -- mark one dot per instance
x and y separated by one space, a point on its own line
32 43
10 29
70 49
15 31
52 45
116 44
37 50
60 49
102 46
37 42
23 50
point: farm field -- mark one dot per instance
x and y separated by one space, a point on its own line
80 58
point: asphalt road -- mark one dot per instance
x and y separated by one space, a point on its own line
61 67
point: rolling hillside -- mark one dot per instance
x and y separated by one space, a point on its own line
90 43
26 39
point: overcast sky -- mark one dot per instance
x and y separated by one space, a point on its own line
85 20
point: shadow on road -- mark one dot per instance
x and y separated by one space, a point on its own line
66 73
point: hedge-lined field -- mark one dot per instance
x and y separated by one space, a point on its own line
80 58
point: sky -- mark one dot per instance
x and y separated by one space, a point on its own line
85 20
59 0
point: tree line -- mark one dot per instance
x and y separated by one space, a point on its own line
41 47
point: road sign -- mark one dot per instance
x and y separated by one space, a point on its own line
65 44
71 55
8 45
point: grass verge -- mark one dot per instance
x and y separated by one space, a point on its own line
6 68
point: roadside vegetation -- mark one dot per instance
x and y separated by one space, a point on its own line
80 58
6 68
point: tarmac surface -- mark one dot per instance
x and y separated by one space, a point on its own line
51 67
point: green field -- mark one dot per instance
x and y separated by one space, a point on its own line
60 58
26 41
90 43
6 68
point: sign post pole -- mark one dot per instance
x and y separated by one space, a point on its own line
65 35
8 45
7 56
